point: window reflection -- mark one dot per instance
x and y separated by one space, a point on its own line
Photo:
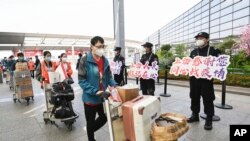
225 33
241 13
226 11
226 18
241 22
226 3
226 26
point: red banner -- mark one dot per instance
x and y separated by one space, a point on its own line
31 53
69 52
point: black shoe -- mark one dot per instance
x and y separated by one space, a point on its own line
208 125
193 118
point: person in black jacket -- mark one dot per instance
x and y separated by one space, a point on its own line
119 78
37 62
148 85
78 60
202 87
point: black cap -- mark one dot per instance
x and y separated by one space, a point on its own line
147 44
202 34
20 54
117 48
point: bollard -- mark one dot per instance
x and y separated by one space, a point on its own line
126 75
165 94
1 77
223 98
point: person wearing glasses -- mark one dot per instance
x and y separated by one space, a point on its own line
94 76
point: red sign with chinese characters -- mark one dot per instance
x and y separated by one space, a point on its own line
202 67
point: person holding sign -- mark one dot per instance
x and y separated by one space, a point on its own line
202 87
148 85
94 77
43 69
120 62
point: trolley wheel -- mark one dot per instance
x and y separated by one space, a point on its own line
45 117
70 126
32 98
46 120
28 101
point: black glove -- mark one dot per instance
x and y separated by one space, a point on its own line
105 95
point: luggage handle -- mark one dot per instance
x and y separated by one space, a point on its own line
137 99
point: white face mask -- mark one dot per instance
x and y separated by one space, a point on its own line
199 43
99 52
64 59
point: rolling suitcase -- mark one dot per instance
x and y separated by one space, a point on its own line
138 116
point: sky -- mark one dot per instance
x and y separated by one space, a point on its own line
89 17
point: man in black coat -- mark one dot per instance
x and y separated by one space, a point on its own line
119 78
148 85
202 87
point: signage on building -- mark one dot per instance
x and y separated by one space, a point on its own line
76 52
31 53
202 67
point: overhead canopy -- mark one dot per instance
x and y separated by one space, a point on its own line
38 41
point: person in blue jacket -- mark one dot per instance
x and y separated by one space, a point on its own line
94 76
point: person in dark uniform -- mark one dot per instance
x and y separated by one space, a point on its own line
148 85
119 78
78 60
202 87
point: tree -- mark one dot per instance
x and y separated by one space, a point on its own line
164 55
245 40
166 47
180 50
226 44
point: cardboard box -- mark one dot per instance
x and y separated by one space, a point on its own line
127 94
25 87
23 81
20 74
25 93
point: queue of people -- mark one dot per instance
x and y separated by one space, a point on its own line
94 77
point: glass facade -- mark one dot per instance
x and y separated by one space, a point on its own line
220 18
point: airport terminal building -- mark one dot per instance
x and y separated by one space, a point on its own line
220 18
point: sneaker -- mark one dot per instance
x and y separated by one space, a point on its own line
193 118
208 125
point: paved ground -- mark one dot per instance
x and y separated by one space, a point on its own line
19 122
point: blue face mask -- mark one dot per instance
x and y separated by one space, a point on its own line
20 58
47 59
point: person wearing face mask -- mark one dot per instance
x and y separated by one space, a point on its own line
119 78
202 87
94 76
31 67
44 67
65 65
148 85
21 64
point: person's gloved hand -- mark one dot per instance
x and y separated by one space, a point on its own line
103 94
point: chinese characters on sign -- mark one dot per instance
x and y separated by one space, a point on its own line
202 67
115 67
144 71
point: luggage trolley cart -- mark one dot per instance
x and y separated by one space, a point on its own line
115 123
7 76
49 115
22 86
11 82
